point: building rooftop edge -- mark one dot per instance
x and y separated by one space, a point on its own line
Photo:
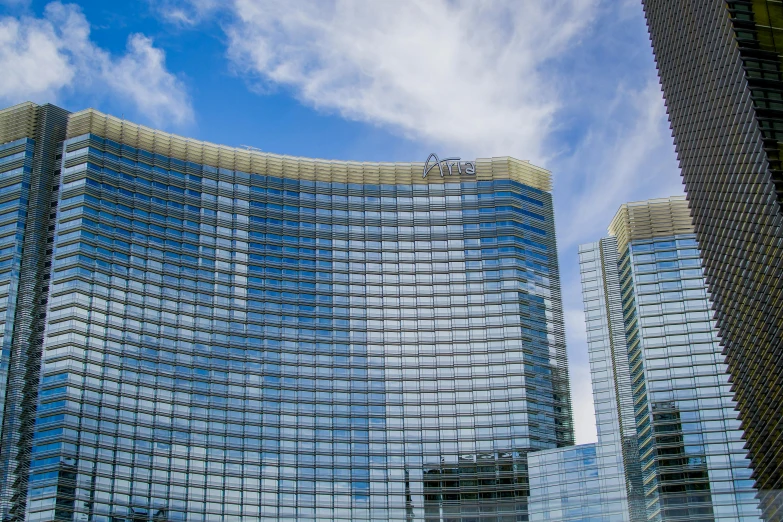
651 218
561 449
91 121
18 121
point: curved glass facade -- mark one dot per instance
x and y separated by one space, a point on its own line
245 345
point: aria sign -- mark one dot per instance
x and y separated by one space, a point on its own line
470 166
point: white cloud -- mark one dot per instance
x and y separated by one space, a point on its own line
582 404
627 156
467 75
481 78
142 76
581 385
185 13
31 59
44 59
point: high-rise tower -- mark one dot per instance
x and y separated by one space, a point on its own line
720 67
235 335
646 303
30 153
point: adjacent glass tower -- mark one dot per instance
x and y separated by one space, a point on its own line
234 335
30 144
690 448
610 374
601 481
721 68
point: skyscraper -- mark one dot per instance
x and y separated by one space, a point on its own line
30 144
610 372
224 334
601 481
646 303
720 67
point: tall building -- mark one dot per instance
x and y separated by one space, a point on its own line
610 371
211 333
30 153
646 301
720 67
601 481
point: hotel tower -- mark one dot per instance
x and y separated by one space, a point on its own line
193 332
649 322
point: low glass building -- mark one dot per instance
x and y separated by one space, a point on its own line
565 486
692 457
235 335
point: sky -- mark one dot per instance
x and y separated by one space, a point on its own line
568 84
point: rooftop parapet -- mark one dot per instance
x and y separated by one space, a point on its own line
91 121
650 219
18 122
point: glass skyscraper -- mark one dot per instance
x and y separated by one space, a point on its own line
601 481
226 334
721 68
618 447
30 141
646 282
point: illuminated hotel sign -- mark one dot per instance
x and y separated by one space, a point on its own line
449 164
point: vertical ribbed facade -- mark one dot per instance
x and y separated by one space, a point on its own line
232 335
720 68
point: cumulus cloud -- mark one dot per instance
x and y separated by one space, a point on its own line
31 59
43 59
141 75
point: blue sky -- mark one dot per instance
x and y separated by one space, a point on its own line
567 84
